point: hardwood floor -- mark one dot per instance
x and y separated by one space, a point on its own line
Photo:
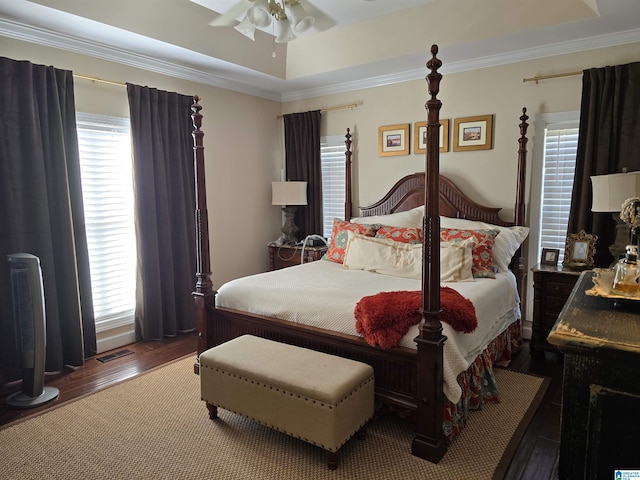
96 375
537 454
535 458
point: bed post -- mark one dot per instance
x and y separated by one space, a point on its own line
204 294
519 217
347 177
429 442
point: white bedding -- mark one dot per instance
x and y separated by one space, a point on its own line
324 294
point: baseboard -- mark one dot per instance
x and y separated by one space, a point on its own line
106 343
526 333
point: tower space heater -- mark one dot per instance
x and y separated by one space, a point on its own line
30 326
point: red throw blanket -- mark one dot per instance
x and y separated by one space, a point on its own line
384 318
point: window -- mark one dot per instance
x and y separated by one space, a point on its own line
332 156
105 163
553 165
558 168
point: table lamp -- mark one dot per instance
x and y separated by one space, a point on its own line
288 195
609 193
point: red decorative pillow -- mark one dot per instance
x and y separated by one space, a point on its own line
339 237
482 251
400 234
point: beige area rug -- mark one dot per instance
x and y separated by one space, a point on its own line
156 427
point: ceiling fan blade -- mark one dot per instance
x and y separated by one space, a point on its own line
322 20
223 21
232 16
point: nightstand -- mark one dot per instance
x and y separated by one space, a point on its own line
282 256
552 286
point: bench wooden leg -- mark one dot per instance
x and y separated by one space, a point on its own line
213 411
333 458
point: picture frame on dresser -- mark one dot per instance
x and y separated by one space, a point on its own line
549 256
579 250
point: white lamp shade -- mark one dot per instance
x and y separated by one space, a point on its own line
300 20
611 191
259 14
289 193
284 33
246 28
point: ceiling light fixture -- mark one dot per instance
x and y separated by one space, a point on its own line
289 19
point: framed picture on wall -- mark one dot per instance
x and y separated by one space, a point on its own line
420 136
473 133
393 140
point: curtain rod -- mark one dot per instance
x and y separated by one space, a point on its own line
546 77
100 80
339 107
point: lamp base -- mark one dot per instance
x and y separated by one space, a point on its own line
619 245
289 228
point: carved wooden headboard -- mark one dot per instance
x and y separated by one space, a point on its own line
408 193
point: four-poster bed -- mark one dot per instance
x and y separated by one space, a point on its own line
407 378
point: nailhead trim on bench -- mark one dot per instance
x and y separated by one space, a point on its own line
292 394
279 429
285 392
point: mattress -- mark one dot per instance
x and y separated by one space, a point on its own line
323 294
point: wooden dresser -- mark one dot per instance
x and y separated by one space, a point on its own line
281 256
600 421
552 286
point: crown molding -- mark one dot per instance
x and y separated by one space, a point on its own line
551 50
41 36
523 55
130 58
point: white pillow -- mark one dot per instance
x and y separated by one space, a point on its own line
456 260
398 259
384 256
506 243
410 218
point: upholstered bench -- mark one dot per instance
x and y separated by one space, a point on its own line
319 398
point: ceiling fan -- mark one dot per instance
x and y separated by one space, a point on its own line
288 18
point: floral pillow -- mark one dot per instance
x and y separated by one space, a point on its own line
481 252
340 237
507 242
400 234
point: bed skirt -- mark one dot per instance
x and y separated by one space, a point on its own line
478 381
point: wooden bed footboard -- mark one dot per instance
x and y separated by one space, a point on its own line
395 369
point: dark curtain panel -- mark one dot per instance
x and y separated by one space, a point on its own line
609 141
41 210
302 154
164 192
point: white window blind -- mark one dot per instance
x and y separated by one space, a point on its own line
559 163
332 155
105 162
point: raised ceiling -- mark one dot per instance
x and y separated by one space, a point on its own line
359 43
